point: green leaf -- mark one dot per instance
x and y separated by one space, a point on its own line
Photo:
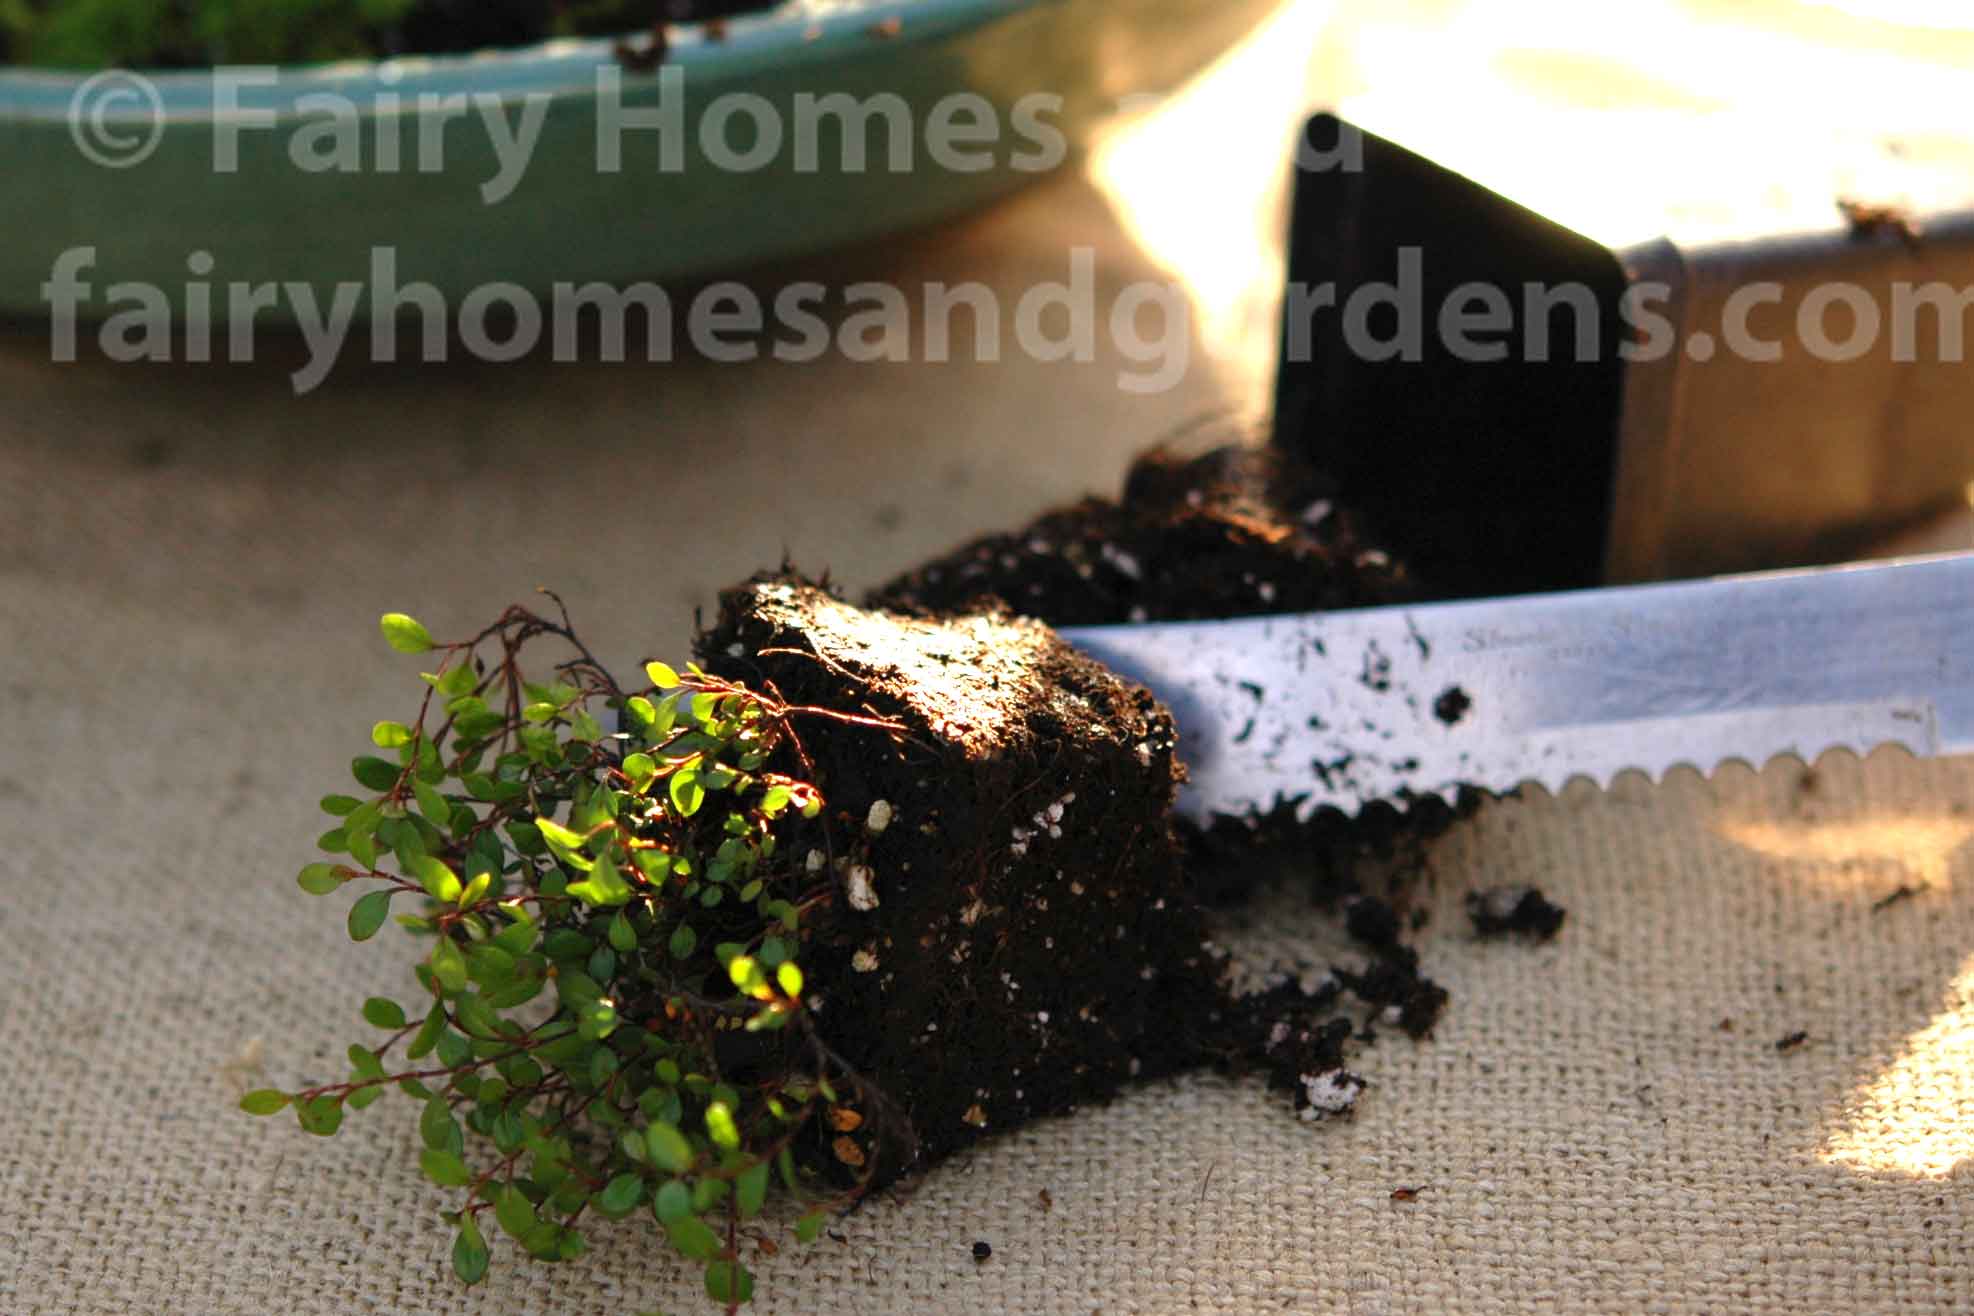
439 881
515 1212
748 975
543 1242
720 1126
448 965
728 1282
368 914
382 1012
457 681
604 886
672 1202
687 792
693 1237
403 633
469 1253
265 1101
667 713
557 835
319 879
751 1189
340 806
475 890
443 1168
661 674
322 1116
428 1034
374 773
642 769
621 1195
453 1049
809 1228
622 935
598 1021
476 1017
789 977
488 964
432 804
684 939
390 735
437 1126
708 1193
668 1147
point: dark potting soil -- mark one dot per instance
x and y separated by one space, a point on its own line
1013 931
1239 531
131 33
1501 910
436 26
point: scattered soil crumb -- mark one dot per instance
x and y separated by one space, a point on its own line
645 56
1410 1194
1869 219
1507 909
1791 1041
1452 705
1905 891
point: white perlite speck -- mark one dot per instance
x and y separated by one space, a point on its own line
1123 562
864 961
879 816
815 861
863 894
1334 1093
1047 822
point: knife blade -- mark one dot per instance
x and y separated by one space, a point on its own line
1344 708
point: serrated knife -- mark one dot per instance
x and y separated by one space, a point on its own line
1343 708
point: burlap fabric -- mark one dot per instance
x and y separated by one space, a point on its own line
191 564
1600 1124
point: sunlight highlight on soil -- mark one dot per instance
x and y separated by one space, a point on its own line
1917 1117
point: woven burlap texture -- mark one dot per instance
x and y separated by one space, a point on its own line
188 610
1603 1123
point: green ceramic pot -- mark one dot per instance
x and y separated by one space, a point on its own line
458 171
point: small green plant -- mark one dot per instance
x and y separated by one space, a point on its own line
609 1014
103 33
